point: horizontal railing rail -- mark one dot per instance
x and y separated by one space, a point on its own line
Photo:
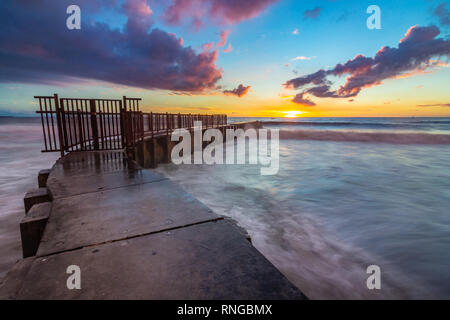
80 124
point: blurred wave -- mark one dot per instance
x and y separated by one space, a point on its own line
20 161
383 137
345 197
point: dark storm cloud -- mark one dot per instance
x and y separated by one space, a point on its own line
36 47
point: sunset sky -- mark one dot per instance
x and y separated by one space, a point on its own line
244 58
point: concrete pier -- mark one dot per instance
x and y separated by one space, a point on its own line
137 235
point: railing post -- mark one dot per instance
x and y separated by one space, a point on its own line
94 125
167 123
59 124
65 133
141 133
80 126
122 124
151 123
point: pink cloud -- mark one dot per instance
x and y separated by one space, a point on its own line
228 49
220 11
208 46
299 99
138 7
223 38
412 56
240 91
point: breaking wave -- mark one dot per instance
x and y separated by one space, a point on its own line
358 136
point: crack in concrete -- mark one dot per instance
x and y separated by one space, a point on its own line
112 188
131 237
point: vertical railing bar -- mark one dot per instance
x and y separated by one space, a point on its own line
53 124
122 121
50 114
167 124
141 117
136 139
48 124
108 125
101 112
117 104
113 125
136 119
76 132
59 124
64 127
116 132
85 128
130 122
104 124
87 117
94 124
89 126
83 124
80 124
113 104
68 122
116 142
104 119
43 126
80 120
133 121
135 124
151 122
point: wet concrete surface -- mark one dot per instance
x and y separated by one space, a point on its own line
120 213
138 235
205 261
101 181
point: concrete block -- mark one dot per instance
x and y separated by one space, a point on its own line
60 188
119 213
42 178
32 227
204 261
34 197
159 149
148 147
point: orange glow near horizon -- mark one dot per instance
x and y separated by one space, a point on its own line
292 114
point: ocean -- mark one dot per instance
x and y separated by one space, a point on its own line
20 161
350 192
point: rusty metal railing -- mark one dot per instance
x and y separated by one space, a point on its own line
78 124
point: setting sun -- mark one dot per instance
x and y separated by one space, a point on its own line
292 114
